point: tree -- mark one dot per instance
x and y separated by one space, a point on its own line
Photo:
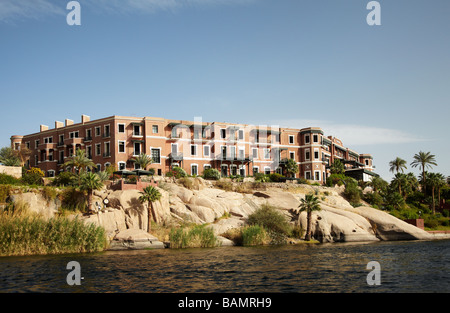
291 167
143 160
309 204
8 157
434 181
150 194
79 162
89 182
424 160
397 165
378 184
337 167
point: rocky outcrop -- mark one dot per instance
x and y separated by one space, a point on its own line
135 239
223 210
37 203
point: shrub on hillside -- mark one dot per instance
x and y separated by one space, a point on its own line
211 173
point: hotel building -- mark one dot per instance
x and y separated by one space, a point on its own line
233 149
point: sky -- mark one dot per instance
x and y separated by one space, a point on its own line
381 89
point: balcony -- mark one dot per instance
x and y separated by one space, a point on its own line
47 146
88 138
176 156
73 141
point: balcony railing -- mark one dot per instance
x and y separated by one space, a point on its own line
176 156
107 154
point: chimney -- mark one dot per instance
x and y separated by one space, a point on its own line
85 118
59 124
69 122
44 128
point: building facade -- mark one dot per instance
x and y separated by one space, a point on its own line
233 149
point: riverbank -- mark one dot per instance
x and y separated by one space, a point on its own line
226 207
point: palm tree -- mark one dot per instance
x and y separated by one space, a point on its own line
79 162
143 160
150 194
337 167
90 182
397 165
424 160
309 204
378 183
435 181
291 167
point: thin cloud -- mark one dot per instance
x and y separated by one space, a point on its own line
11 10
355 135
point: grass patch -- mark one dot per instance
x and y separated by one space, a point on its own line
198 236
22 233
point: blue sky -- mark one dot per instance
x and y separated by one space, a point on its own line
382 90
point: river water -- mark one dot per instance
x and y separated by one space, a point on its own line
406 266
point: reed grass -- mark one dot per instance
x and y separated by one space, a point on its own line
23 233
198 236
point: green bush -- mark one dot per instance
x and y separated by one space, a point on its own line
275 177
73 200
254 235
8 180
198 236
5 191
271 219
65 179
211 173
336 179
352 192
261 177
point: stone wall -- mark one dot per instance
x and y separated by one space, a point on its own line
15 171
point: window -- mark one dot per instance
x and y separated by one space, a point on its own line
137 148
233 152
206 167
316 175
174 149
107 150
97 131
255 153
266 153
48 140
223 133
107 132
241 154
27 144
194 169
156 155
315 138
61 140
51 173
308 175
89 152
137 130
121 128
196 134
121 146
99 167
155 129
367 162
74 135
61 157
50 155
307 156
255 170
291 139
193 149
266 170
306 138
89 134
316 154
224 152
36 144
291 155
98 149
241 134
122 166
206 151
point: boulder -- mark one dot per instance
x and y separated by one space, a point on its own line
37 203
388 227
135 239
225 224
112 221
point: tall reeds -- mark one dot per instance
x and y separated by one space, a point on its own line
23 233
